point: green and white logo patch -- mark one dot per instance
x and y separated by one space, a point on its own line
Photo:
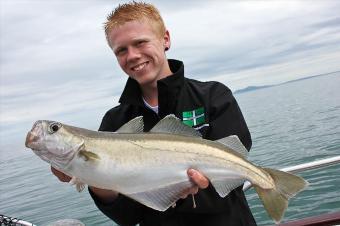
194 118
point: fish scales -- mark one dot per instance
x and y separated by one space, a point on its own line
152 149
197 153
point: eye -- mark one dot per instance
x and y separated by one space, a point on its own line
140 43
120 51
54 127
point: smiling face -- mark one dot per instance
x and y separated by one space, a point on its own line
140 51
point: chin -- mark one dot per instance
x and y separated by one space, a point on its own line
147 83
145 80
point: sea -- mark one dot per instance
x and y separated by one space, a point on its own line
292 123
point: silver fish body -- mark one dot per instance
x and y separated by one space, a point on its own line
137 162
152 167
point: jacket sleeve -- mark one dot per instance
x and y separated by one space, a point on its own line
225 116
123 210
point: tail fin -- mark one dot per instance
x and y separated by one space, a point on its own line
275 201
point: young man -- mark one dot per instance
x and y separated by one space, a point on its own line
156 87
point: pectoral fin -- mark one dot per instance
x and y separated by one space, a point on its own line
88 155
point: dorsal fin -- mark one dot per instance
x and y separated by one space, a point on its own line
135 125
173 125
233 142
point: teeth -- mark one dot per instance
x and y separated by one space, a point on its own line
139 67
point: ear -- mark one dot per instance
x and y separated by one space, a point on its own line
167 42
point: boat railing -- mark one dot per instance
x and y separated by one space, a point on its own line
304 167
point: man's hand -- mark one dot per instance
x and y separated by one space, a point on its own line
199 179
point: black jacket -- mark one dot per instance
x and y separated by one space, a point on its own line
217 116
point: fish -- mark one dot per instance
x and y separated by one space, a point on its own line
151 167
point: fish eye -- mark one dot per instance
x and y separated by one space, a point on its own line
54 127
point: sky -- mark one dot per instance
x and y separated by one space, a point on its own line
55 63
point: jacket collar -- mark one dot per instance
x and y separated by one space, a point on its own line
167 87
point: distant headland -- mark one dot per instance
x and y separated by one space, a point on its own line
252 88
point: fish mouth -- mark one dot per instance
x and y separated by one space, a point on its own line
30 139
34 134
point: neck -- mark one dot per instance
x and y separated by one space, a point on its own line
150 95
150 91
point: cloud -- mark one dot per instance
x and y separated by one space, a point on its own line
290 70
237 36
54 60
55 63
49 36
39 102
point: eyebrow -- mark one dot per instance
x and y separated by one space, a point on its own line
133 42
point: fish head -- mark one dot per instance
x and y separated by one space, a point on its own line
53 143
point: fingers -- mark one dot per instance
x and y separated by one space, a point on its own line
61 176
198 178
189 191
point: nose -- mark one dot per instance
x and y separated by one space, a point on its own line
31 137
132 54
